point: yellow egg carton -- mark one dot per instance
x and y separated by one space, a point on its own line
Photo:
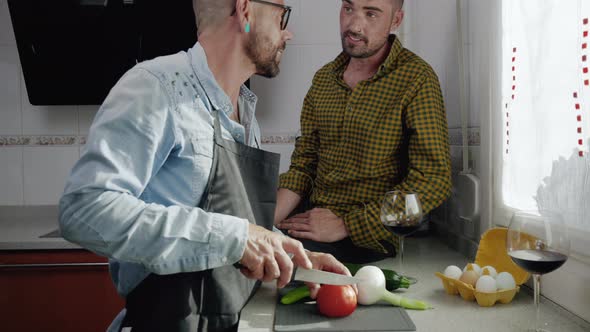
491 251
468 293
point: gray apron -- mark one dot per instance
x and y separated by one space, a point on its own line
243 183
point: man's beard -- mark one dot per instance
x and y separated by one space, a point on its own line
358 51
264 56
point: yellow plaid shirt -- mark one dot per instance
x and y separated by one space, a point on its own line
389 133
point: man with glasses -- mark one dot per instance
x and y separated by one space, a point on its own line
172 186
373 121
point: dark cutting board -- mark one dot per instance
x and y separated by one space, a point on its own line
305 317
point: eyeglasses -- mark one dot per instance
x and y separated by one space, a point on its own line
284 16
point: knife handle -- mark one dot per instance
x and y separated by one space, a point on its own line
239 266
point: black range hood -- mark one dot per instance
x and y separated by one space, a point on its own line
72 52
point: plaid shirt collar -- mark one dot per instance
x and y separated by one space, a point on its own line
339 64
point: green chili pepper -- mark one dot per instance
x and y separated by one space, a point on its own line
295 295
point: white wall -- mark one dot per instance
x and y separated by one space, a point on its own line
38 145
431 32
316 41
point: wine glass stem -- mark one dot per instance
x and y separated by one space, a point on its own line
537 298
401 254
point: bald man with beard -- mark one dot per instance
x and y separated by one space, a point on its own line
172 186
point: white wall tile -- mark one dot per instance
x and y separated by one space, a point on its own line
296 18
10 101
441 53
6 31
451 95
456 158
280 98
474 158
409 25
85 117
45 172
479 65
315 57
317 23
436 33
433 37
11 176
48 120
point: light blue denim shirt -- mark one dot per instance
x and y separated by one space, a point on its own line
132 196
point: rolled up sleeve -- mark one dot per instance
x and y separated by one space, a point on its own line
129 141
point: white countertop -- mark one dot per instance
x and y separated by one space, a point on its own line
424 257
21 228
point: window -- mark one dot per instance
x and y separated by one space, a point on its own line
541 133
545 128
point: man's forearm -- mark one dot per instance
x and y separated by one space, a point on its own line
287 201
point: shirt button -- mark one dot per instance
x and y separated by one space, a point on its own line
224 260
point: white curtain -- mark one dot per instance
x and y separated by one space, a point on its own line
545 159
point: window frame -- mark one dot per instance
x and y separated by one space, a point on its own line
498 214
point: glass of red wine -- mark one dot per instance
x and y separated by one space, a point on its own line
401 214
539 243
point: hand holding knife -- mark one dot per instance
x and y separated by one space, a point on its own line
326 270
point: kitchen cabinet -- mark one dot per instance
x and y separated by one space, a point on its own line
56 290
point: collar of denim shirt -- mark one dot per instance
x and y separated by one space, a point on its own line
217 97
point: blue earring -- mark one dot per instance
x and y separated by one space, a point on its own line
247 28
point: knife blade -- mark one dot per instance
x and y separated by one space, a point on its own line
323 277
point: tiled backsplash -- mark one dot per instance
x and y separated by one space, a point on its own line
41 140
18 140
40 144
456 137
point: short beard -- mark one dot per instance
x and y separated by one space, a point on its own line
362 53
256 49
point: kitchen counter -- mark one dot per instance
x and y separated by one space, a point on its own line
24 234
424 257
22 228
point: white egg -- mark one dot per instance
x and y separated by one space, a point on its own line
491 270
475 267
486 284
453 272
505 280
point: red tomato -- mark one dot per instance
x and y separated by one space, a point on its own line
336 301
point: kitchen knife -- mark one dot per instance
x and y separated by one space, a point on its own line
323 277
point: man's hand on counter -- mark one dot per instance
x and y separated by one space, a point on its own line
317 224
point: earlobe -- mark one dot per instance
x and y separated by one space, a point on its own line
243 14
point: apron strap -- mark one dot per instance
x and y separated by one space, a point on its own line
217 139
